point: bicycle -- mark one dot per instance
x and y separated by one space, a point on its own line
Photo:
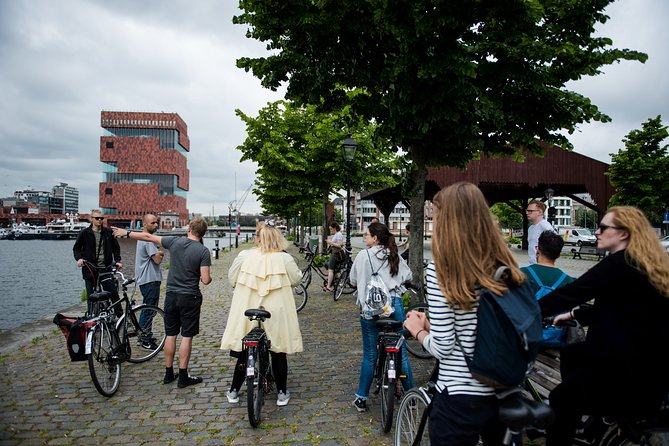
607 430
343 268
413 411
388 368
108 342
415 302
259 376
341 281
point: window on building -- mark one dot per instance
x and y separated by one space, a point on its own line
110 144
108 191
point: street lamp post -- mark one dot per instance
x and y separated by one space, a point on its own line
348 148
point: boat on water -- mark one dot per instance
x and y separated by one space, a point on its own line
23 231
64 229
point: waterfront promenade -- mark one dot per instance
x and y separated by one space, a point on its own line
46 399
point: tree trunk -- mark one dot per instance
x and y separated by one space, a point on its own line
326 231
417 200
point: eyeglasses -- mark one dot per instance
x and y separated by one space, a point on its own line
532 210
603 227
98 218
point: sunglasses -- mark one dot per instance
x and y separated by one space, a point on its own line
603 227
98 218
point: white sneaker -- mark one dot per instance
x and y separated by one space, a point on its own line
283 398
233 396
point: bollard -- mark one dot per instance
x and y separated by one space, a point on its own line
236 241
216 250
247 237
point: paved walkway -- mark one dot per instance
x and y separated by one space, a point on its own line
46 399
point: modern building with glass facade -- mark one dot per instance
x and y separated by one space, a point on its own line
144 159
66 199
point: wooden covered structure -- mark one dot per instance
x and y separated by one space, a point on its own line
502 180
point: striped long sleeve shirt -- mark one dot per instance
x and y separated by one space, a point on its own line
454 374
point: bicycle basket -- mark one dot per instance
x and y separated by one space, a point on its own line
74 329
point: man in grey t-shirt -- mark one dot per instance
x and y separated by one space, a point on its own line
148 276
190 263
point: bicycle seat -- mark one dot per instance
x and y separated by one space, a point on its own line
100 296
257 314
388 324
518 412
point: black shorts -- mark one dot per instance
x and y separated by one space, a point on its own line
182 312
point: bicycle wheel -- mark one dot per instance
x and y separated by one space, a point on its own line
300 294
145 342
340 280
409 414
254 386
388 385
413 346
105 370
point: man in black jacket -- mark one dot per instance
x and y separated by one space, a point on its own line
98 246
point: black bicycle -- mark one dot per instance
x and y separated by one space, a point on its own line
108 340
342 277
412 414
388 368
259 376
413 301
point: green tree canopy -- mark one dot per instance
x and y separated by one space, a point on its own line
444 80
298 151
508 217
639 171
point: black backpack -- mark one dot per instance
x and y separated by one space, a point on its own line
508 335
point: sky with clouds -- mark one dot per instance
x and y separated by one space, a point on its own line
62 62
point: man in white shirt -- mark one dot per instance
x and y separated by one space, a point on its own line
535 214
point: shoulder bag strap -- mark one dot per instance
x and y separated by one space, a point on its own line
559 281
535 276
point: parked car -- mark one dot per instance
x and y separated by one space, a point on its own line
577 236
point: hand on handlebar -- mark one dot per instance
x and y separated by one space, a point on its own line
561 320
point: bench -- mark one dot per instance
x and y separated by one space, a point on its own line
588 250
546 371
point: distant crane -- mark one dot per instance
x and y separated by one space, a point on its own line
235 206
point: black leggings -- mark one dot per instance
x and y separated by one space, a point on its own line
279 370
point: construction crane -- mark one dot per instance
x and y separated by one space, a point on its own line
235 205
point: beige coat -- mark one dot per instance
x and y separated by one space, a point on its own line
264 280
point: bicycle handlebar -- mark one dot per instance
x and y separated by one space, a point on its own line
563 323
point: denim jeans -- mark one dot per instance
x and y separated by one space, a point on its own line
151 293
369 353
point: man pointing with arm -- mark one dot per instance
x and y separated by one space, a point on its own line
190 263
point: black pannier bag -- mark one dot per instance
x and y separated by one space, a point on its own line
74 330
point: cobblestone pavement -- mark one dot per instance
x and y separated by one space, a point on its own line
46 399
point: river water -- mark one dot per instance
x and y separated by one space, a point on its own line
39 278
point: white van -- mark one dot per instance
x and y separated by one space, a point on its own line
577 236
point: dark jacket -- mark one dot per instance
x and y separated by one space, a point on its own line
85 248
628 324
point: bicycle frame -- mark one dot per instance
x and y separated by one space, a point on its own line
259 379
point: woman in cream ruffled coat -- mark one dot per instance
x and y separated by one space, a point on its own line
264 276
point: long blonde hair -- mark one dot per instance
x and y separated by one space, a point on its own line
644 251
270 239
467 246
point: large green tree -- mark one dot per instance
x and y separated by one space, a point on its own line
639 171
445 80
298 151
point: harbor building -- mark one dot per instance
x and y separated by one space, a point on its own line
144 166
